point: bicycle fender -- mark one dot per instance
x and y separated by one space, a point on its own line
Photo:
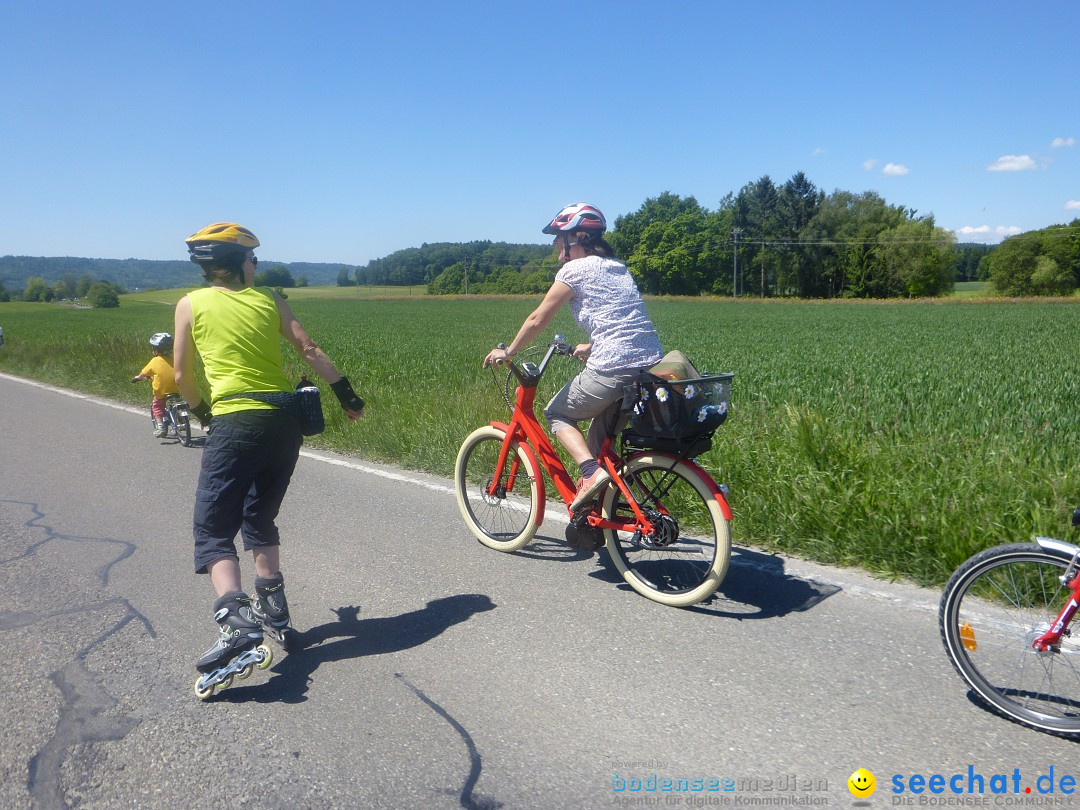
1060 546
707 479
531 454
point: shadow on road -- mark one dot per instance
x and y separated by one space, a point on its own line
552 549
196 441
352 637
756 587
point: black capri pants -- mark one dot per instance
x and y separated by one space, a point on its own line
247 464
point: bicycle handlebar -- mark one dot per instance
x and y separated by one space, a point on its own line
528 373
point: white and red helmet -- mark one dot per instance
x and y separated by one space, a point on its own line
578 217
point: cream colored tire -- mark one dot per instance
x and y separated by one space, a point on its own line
506 521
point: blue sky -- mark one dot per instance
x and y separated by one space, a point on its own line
342 131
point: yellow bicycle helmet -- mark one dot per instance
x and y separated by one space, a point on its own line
220 239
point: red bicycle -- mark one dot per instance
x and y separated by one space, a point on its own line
1005 619
663 519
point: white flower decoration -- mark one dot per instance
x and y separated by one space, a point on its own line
703 414
661 394
689 392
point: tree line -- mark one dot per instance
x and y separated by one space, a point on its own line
99 293
96 292
789 240
769 240
1042 262
137 274
455 267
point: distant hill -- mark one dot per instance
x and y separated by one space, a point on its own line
134 274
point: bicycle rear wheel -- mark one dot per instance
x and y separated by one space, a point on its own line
686 557
183 428
506 520
993 608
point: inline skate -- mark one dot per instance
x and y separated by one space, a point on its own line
271 609
238 650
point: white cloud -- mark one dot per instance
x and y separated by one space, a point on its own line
895 170
819 151
1012 163
869 164
1072 205
985 234
1058 142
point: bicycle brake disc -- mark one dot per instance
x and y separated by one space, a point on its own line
665 531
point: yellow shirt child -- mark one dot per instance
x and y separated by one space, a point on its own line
160 372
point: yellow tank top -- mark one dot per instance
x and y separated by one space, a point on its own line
238 336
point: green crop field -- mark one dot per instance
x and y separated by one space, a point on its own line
900 436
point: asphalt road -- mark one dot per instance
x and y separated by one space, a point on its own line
439 673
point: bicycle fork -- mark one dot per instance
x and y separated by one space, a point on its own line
1049 641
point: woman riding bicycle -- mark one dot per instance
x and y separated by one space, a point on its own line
606 304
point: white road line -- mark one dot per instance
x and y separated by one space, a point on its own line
392 476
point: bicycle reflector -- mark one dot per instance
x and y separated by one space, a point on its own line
967 636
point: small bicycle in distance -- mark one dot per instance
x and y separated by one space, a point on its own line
663 519
1005 619
177 419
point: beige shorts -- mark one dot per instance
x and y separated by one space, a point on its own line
592 395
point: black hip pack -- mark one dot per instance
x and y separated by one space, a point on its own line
305 403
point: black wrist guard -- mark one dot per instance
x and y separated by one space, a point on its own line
346 396
202 412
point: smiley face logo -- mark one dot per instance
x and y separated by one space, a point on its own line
862 784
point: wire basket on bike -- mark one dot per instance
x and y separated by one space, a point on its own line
673 401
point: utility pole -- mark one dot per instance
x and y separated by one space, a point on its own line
762 269
735 264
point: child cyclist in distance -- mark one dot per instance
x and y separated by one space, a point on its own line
606 304
252 445
160 372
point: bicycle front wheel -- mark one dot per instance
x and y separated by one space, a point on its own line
686 557
993 608
505 519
